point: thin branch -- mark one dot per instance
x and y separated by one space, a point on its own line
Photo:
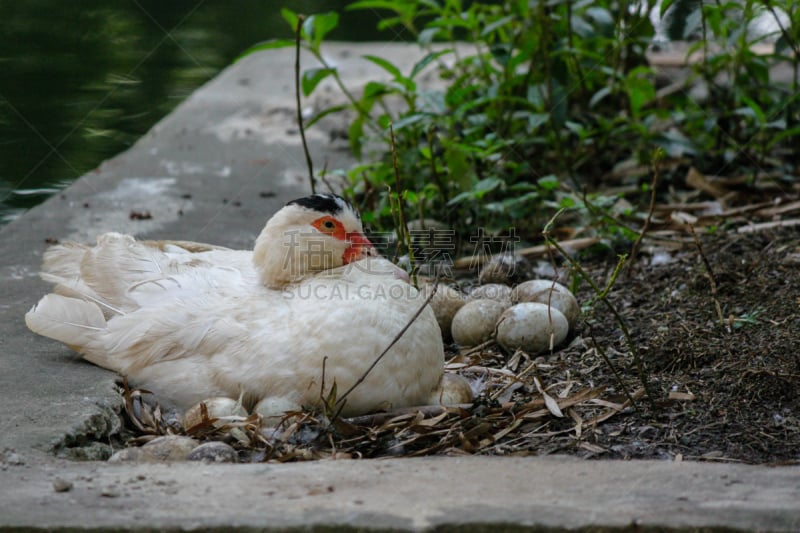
608 362
637 243
402 226
710 274
602 294
377 360
298 104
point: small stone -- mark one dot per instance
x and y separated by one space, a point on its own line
11 457
159 450
213 452
61 484
126 455
169 448
91 451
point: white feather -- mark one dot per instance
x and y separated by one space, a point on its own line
74 322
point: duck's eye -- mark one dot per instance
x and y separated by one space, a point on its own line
330 226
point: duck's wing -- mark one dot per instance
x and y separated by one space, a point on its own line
107 273
132 282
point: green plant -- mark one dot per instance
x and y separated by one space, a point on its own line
751 117
540 101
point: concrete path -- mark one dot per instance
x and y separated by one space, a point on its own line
214 171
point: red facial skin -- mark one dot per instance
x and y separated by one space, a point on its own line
359 248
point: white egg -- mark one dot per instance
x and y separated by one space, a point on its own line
445 304
219 407
529 327
273 410
545 292
452 390
474 323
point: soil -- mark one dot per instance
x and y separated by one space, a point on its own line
719 389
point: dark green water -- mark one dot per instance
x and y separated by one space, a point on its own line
81 81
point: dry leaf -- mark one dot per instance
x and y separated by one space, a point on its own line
681 396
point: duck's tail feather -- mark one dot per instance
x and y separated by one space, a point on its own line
77 323
100 274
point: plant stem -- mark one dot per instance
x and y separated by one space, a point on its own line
602 294
646 226
352 99
298 104
402 228
377 360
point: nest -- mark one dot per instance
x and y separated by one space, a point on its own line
523 405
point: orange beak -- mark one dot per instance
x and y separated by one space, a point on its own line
360 247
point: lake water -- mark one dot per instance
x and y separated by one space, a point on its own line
82 81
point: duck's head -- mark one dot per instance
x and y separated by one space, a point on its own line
309 235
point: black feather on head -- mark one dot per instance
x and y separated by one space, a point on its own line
325 203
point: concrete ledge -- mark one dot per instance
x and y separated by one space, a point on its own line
463 494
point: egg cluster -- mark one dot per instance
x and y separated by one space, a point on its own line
535 315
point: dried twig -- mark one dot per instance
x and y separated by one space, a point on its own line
710 275
638 241
341 400
541 249
403 235
602 295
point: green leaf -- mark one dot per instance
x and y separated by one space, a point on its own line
290 17
581 27
601 16
458 166
640 89
683 18
664 6
427 36
599 96
408 120
782 45
266 45
389 22
355 133
756 109
548 183
487 185
317 26
422 63
374 89
501 52
391 5
499 23
786 134
460 197
325 112
312 77
385 65
537 119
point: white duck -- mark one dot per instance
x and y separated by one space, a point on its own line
190 321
